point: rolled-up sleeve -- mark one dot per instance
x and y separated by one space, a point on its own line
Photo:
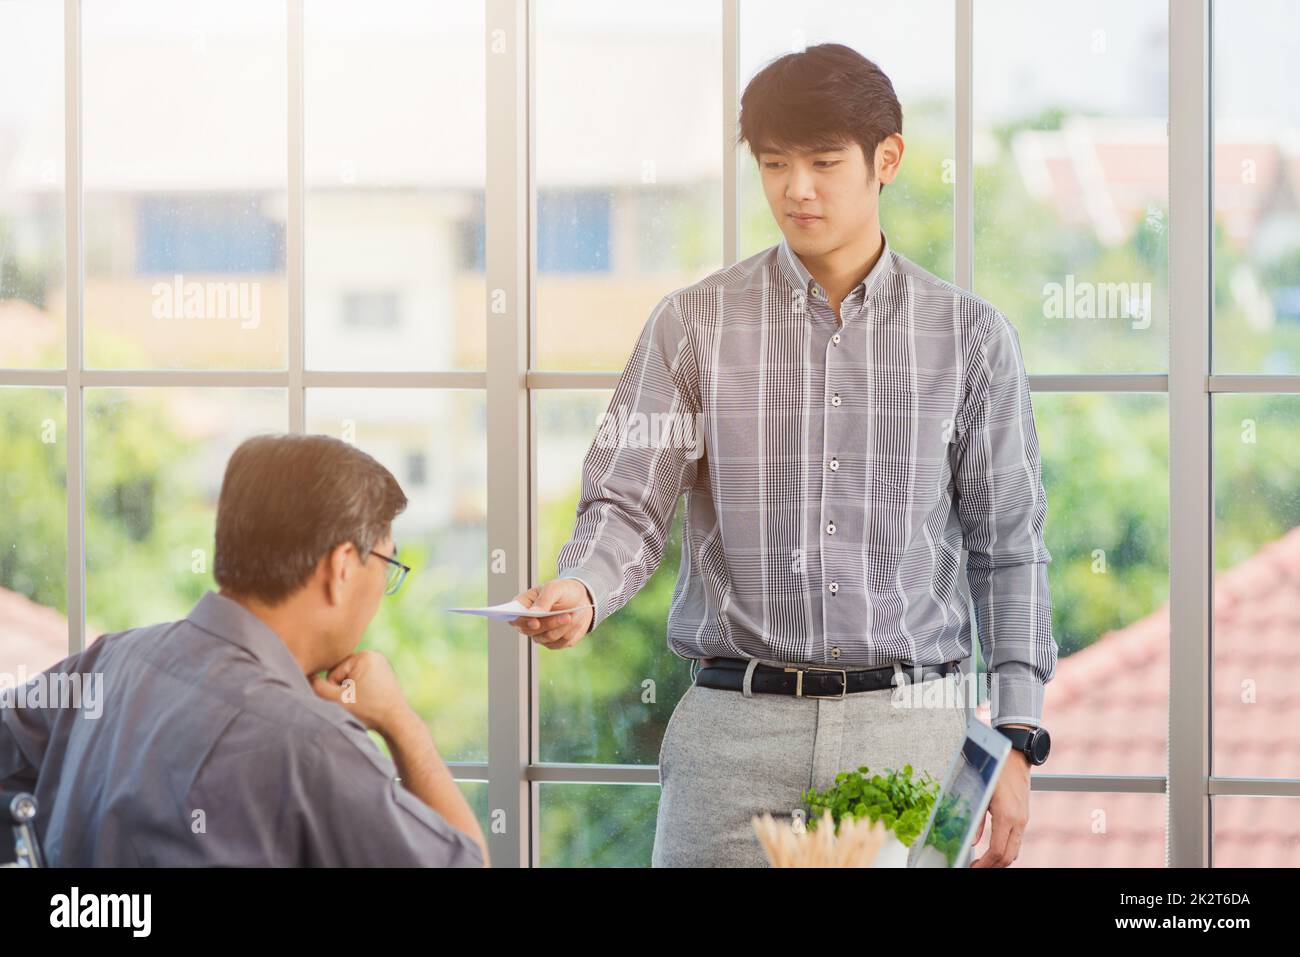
645 453
360 815
1002 506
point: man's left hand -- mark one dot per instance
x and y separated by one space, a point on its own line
1010 811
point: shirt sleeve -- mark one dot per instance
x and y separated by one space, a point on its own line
362 816
25 732
645 453
22 742
1002 506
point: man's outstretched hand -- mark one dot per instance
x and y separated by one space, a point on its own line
558 631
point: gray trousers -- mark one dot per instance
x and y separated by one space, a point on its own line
728 755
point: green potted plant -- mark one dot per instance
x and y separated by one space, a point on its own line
896 799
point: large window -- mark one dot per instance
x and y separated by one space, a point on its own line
1255 453
1071 221
628 169
184 185
436 230
262 248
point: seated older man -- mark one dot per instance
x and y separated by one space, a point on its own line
238 736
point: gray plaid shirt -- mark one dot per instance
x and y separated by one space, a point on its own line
833 472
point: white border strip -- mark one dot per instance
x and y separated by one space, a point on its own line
733 160
295 228
74 360
963 200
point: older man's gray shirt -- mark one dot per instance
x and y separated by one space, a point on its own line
212 749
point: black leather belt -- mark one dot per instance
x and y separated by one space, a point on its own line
810 681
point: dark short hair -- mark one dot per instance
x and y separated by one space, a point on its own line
287 501
828 95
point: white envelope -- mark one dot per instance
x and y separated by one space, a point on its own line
513 609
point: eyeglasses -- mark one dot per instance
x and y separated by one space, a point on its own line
397 572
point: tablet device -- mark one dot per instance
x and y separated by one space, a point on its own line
963 799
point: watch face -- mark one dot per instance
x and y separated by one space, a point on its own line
1041 744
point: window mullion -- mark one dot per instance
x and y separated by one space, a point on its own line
1190 488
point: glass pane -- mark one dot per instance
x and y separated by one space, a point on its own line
629 181
395 175
1068 829
154 462
597 825
185 184
476 793
1105 461
901 37
435 444
608 698
34 540
1072 179
1256 557
32 304
1255 831
1256 176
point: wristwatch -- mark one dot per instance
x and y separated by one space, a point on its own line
1034 744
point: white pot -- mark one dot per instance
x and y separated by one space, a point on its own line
893 853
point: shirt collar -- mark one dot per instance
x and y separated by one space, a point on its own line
229 620
798 276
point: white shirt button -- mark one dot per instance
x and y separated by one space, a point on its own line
835 399
835 465
830 528
834 587
835 652
836 338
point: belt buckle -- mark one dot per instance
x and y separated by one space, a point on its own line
798 683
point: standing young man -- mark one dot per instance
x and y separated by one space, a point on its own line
861 421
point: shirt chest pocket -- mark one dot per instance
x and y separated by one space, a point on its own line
895 436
